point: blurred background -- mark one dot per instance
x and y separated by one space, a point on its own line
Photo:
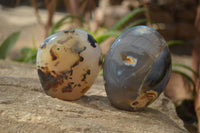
174 19
24 24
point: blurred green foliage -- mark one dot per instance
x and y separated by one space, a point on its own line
127 18
7 44
28 55
174 42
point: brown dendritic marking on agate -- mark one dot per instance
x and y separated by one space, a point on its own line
67 75
70 72
67 88
85 74
64 41
52 79
57 63
145 99
53 54
70 87
81 59
79 85
49 79
84 90
69 31
81 50
78 47
77 62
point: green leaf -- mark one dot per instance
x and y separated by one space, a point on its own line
31 56
186 67
28 55
125 19
106 35
174 42
24 51
8 44
100 29
137 22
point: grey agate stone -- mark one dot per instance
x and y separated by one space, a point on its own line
136 68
